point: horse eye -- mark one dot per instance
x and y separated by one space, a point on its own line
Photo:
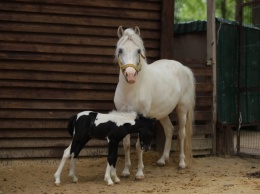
120 51
139 51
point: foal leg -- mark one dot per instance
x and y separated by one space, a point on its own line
168 131
182 117
65 156
108 175
139 175
114 175
126 145
72 169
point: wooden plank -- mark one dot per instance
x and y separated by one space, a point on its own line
57 85
55 76
73 20
20 108
197 144
78 40
204 87
197 130
26 93
33 133
26 27
203 101
199 116
61 49
52 142
56 49
47 152
28 56
79 10
47 133
74 104
33 124
104 68
147 5
206 71
53 114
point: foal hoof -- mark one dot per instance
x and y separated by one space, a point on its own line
57 184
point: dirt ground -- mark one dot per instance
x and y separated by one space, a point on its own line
227 175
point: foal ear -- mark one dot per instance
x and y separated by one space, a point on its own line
120 32
137 30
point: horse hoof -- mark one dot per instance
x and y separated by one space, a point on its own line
139 178
110 184
160 163
182 167
125 175
57 184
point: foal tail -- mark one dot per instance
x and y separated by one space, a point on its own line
71 124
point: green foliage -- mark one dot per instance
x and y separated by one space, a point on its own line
187 10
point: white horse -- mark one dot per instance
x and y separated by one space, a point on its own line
154 90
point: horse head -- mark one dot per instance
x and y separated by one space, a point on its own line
147 133
130 53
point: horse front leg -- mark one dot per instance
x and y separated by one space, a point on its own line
126 145
168 131
65 156
139 175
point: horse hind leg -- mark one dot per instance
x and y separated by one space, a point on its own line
168 131
126 145
65 156
182 118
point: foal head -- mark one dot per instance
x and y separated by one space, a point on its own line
129 53
146 133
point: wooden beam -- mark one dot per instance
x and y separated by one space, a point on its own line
166 52
211 60
167 19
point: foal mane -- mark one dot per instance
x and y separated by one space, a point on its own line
129 34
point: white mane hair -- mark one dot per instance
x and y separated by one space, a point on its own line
129 34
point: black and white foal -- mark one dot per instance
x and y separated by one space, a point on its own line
113 126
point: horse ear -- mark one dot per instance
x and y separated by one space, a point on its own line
120 32
137 30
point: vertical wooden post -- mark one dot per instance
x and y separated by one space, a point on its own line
167 19
211 60
166 52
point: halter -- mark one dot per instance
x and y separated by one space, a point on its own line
137 68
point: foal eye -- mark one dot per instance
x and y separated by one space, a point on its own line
120 51
139 51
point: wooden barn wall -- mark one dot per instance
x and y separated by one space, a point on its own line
56 59
191 50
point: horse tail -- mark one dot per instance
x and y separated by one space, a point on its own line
189 123
71 124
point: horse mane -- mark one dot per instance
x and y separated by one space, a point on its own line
129 34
